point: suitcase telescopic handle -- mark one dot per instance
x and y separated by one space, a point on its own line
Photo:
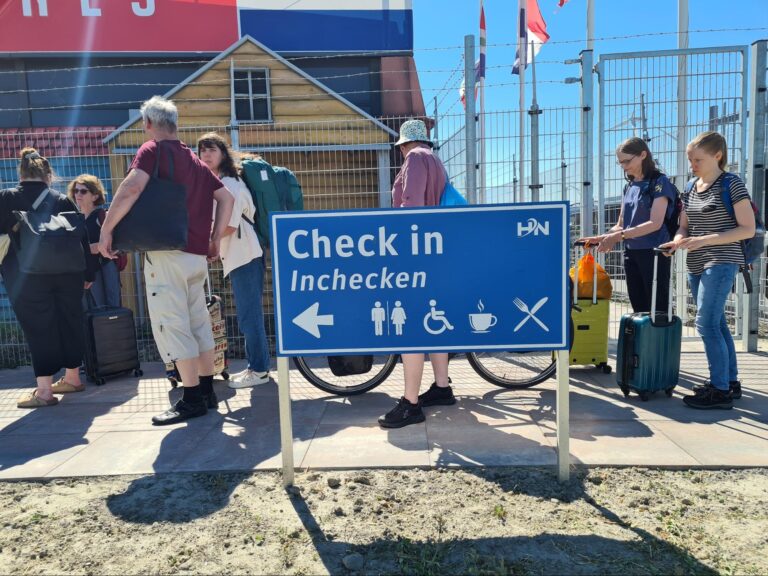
656 253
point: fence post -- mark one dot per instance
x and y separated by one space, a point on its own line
470 144
587 149
435 133
385 183
756 181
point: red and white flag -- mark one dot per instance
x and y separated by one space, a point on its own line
534 34
561 3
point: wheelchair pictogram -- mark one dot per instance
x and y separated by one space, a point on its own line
436 316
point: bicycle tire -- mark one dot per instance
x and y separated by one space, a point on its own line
316 371
516 370
513 370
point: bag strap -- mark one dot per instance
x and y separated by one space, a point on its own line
43 194
156 171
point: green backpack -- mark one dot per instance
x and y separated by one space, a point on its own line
272 190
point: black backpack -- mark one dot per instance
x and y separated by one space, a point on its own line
48 243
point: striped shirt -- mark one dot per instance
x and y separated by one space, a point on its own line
707 215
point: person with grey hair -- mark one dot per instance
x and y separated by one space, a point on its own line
175 279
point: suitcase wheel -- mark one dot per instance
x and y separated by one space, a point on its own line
100 381
668 392
625 391
605 368
644 396
225 375
138 372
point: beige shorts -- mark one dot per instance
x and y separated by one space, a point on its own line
175 284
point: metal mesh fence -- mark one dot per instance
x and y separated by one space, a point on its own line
349 162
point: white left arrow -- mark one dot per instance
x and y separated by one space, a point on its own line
310 320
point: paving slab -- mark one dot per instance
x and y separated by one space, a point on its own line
107 429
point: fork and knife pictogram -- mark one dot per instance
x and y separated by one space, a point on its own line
530 313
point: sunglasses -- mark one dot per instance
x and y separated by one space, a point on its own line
82 191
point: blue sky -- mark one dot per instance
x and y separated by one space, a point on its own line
443 24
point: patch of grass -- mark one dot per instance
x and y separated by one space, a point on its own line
476 564
500 512
422 558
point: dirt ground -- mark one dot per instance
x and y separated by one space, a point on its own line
468 521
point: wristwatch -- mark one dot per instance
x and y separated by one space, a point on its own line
622 236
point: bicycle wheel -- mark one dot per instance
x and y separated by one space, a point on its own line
318 373
514 369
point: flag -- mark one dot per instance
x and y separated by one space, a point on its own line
561 3
479 63
535 33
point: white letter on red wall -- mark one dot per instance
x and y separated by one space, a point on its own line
88 10
148 10
42 7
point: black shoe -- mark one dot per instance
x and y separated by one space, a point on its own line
181 411
211 401
734 388
437 396
709 399
403 414
701 388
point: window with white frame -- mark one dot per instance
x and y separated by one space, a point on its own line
250 94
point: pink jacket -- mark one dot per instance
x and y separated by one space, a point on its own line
421 179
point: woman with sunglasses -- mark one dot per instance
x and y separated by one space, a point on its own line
647 205
88 193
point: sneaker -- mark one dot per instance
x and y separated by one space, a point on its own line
403 414
709 399
179 412
211 401
734 388
437 396
249 379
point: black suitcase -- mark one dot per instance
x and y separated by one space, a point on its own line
110 344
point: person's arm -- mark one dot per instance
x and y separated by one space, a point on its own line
596 240
237 213
225 202
126 196
682 234
414 181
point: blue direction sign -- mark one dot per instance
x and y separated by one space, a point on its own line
422 279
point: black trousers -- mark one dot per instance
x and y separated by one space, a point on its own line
638 267
49 310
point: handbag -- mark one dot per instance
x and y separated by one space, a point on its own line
159 220
451 196
48 243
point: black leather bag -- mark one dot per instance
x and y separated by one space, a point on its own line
48 243
159 219
350 365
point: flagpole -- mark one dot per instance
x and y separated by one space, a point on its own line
590 24
523 52
481 115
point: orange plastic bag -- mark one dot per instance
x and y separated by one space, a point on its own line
586 280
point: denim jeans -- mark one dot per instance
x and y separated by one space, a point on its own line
710 290
248 285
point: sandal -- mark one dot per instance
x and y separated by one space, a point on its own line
32 400
64 387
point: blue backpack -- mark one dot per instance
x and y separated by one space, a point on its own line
451 196
754 247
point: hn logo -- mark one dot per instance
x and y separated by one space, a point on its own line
533 226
